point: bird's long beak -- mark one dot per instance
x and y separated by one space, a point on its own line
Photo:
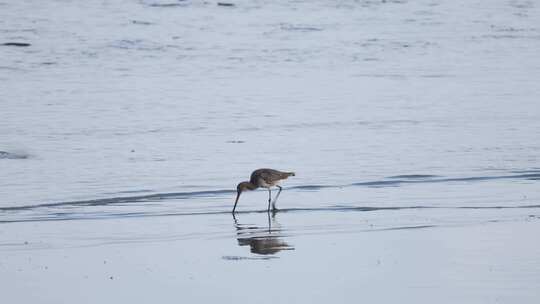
236 201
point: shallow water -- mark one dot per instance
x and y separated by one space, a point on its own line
413 128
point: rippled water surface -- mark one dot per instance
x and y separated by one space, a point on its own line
413 128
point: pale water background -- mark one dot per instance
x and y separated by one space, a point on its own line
125 126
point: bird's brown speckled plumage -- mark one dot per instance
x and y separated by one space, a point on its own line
263 177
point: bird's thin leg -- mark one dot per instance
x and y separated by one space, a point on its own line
269 198
275 199
269 223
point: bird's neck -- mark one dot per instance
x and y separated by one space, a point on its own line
251 186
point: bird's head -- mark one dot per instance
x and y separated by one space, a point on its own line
243 186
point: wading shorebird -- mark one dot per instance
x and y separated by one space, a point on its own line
264 178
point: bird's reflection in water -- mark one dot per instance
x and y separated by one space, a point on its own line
266 240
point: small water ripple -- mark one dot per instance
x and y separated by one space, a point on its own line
391 181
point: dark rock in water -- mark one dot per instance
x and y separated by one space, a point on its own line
22 44
225 4
141 22
7 155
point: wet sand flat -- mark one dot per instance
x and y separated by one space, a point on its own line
379 256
